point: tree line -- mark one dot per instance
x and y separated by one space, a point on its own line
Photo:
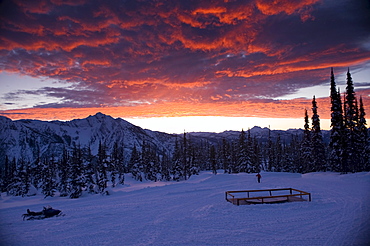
78 171
73 173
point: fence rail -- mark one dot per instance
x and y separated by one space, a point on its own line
294 194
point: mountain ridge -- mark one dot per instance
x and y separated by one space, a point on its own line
29 139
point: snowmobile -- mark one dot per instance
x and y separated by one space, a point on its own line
47 212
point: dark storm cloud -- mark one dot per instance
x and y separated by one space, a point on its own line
151 51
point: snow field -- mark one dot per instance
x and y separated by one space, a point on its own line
195 212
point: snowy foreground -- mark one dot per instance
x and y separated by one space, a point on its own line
194 212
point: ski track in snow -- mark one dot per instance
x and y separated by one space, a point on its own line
194 212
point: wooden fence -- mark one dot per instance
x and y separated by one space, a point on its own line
293 195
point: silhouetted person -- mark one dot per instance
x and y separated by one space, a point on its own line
258 177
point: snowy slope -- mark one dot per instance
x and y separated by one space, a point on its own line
25 138
194 212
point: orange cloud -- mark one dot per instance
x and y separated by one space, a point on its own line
268 7
257 108
211 10
124 53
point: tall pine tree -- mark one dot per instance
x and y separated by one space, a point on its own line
317 144
102 166
337 144
350 122
77 177
362 138
305 149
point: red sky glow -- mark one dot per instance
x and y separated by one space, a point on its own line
226 58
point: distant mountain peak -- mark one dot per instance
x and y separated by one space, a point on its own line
100 117
100 114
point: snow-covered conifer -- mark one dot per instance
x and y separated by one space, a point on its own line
165 166
305 150
177 160
243 157
151 163
91 171
253 151
212 156
362 140
337 144
117 164
49 184
135 165
226 156
317 145
63 173
278 155
350 122
77 177
102 166
270 153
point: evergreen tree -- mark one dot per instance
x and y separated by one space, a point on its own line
12 175
234 157
204 155
117 159
243 157
102 166
286 165
166 166
177 160
14 188
135 165
64 172
270 153
25 181
293 155
7 174
151 163
194 160
49 183
186 157
91 171
350 119
305 149
226 156
120 165
317 144
77 177
337 144
212 156
253 153
36 170
363 145
278 155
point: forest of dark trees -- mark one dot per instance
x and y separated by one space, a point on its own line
78 171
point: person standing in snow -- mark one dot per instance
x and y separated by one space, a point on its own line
258 177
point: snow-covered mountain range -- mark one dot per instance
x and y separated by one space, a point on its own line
28 139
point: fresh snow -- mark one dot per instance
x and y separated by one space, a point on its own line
195 212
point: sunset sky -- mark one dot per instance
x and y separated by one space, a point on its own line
181 65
